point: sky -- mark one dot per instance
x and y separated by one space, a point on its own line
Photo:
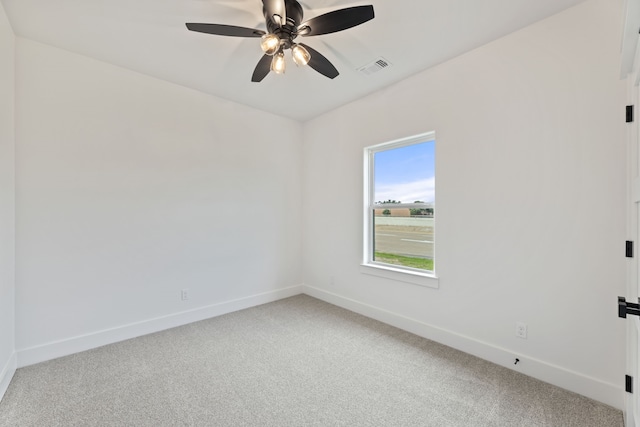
405 174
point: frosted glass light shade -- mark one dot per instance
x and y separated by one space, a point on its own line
301 56
277 63
270 44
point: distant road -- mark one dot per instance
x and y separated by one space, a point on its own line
405 221
405 236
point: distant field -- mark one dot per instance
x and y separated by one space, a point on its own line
404 221
422 263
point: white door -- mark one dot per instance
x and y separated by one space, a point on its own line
632 407
630 68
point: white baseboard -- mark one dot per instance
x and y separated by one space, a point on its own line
6 374
53 350
573 381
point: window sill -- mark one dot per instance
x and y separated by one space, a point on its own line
428 280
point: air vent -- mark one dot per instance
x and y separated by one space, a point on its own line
375 66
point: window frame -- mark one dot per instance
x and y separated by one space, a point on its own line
415 276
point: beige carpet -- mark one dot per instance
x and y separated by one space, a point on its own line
295 362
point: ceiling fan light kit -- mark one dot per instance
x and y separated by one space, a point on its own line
284 24
278 64
301 56
270 44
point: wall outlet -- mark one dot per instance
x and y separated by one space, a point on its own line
184 294
521 330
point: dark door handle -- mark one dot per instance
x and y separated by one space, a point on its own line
625 308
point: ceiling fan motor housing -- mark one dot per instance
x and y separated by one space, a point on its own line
288 30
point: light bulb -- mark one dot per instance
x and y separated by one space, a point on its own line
277 63
270 44
301 56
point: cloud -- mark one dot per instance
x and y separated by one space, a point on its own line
407 192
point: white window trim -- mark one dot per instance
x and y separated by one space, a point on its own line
388 271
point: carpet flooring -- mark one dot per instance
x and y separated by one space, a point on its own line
294 362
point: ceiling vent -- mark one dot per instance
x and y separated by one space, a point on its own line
375 66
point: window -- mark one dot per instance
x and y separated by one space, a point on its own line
400 206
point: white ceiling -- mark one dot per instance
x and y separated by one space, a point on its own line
149 36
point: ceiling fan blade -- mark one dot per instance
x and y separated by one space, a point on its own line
275 7
225 30
337 20
262 69
321 64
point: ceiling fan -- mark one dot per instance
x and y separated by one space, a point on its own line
284 24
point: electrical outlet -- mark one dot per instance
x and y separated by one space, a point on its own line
521 330
184 294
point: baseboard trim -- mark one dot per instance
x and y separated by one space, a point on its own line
6 374
576 382
54 350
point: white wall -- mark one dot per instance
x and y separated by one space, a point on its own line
530 193
7 203
130 189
